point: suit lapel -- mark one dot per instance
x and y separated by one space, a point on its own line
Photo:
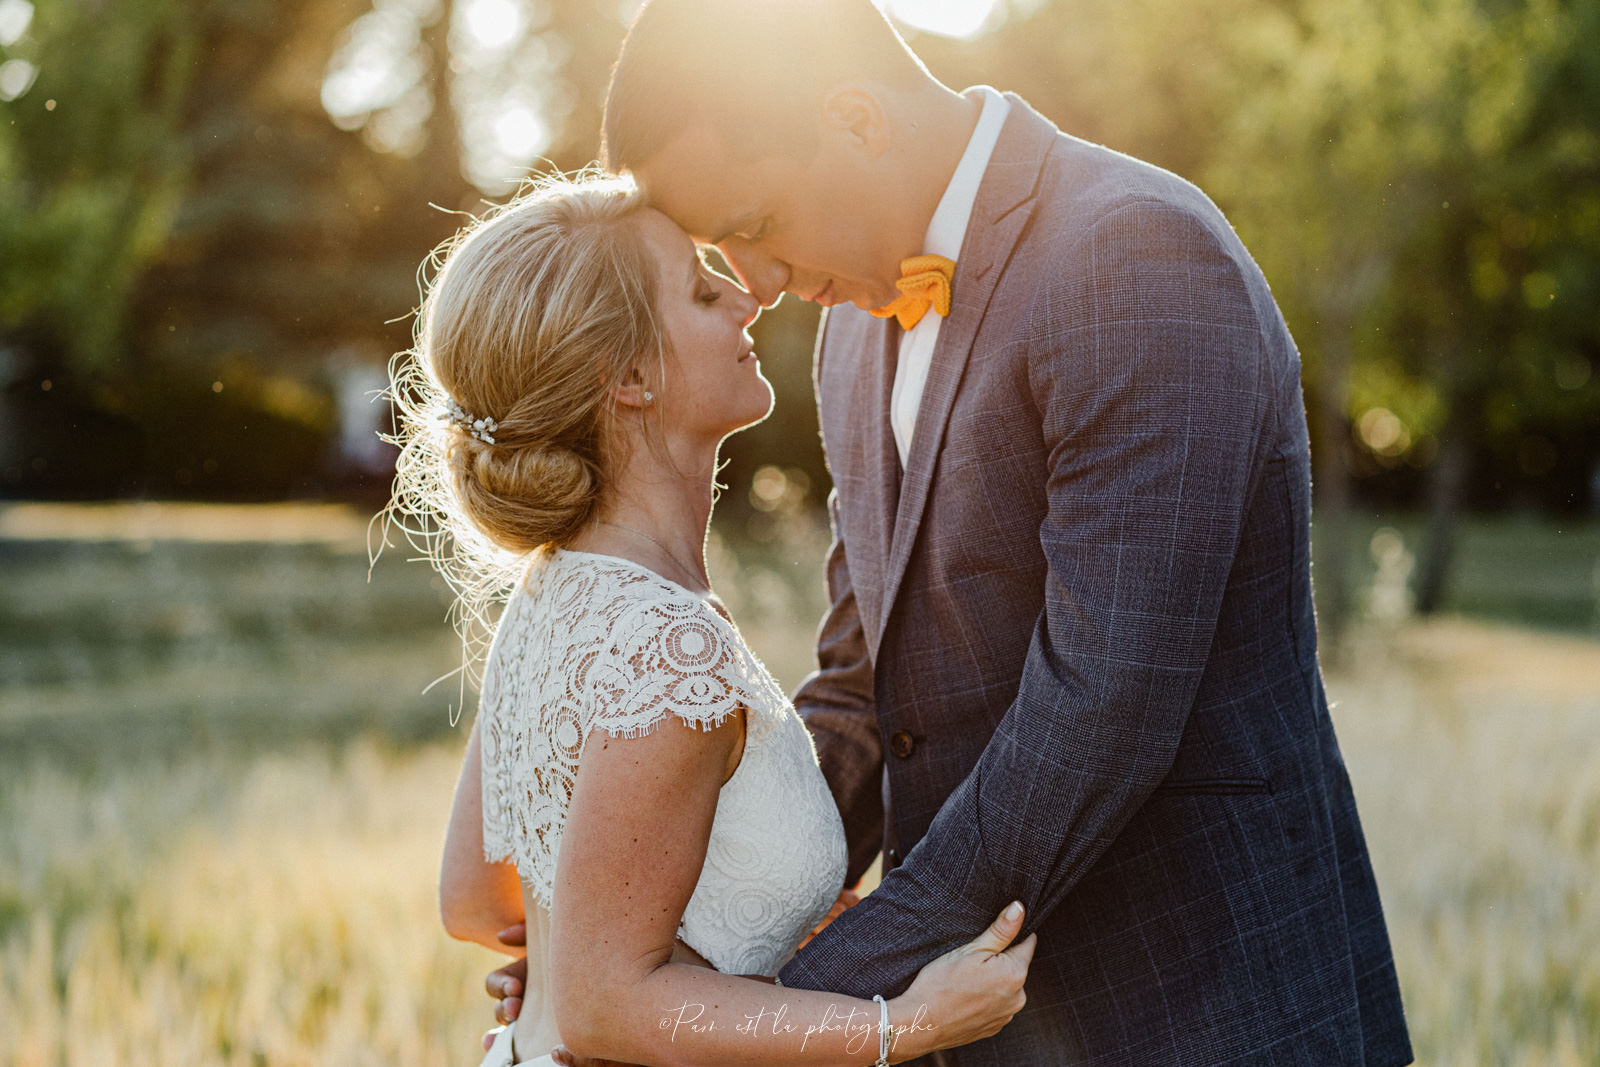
882 453
866 442
1002 210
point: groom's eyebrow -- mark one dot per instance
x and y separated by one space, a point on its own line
738 225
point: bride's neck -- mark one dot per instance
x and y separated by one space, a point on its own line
658 512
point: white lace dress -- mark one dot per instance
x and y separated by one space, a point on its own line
592 641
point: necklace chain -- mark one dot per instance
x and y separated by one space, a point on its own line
690 571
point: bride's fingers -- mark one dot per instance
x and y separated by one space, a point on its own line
1022 951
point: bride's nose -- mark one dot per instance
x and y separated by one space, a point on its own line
748 307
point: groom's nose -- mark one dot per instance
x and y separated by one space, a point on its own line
765 276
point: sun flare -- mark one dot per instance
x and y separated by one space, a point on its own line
947 18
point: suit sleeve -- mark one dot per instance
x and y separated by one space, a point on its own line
836 701
1147 365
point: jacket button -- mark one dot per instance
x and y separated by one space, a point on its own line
901 743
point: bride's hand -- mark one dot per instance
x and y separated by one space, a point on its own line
967 994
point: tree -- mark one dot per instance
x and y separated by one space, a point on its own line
209 240
90 183
1407 172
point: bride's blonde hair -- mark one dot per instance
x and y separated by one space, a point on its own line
535 312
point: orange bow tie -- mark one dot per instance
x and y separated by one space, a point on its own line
924 283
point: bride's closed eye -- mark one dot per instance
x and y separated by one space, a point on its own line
705 278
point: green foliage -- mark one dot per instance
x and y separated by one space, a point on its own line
183 214
1419 178
88 178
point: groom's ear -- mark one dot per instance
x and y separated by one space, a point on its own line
858 115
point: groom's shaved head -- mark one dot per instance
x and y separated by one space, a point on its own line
754 71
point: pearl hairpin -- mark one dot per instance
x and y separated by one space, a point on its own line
483 429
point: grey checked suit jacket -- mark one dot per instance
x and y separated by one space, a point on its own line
1078 630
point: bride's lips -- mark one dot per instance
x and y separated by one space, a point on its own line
824 296
749 353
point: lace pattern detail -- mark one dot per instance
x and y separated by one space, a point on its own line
595 641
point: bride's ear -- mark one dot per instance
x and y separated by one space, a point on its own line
632 392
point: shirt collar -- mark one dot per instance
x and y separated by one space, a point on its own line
948 227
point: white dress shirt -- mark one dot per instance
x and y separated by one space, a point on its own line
946 230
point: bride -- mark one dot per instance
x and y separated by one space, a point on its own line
648 798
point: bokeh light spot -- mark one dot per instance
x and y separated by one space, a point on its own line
948 18
15 17
520 133
493 23
1383 432
16 78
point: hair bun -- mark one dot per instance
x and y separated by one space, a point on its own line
525 497
534 314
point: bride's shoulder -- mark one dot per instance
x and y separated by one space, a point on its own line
591 598
641 647
573 580
630 647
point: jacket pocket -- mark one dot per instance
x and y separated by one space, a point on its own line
1214 787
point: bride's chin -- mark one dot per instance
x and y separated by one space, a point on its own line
758 415
772 404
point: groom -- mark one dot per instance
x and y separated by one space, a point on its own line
1070 656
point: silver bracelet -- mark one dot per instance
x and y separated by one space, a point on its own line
883 1031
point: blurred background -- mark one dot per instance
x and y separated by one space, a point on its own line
223 777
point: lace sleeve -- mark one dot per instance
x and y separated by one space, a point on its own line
669 656
594 642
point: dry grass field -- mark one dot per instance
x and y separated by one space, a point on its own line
222 793
1475 752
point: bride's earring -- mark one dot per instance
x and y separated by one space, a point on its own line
649 397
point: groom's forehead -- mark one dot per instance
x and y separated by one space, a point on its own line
708 219
694 181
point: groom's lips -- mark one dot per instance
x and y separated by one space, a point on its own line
823 296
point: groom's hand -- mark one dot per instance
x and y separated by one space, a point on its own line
506 984
846 900
567 1059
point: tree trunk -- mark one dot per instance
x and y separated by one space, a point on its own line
1444 510
439 162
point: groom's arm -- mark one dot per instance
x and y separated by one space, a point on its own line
1147 364
836 701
